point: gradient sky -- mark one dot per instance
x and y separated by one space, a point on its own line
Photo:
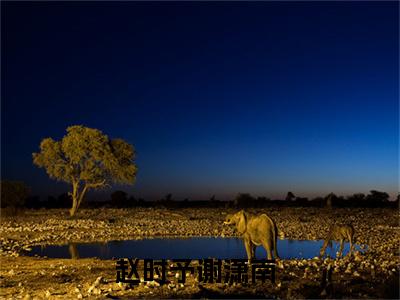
217 98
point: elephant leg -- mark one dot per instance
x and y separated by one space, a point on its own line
248 246
274 243
268 249
351 244
253 251
341 247
276 250
323 248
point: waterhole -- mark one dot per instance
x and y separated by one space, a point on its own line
177 248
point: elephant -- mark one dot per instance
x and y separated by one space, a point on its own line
255 231
338 233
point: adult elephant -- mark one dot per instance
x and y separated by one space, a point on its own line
255 231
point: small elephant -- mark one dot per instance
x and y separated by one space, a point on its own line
338 233
255 231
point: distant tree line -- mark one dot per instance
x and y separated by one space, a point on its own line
15 194
373 199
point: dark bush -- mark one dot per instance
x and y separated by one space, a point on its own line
13 194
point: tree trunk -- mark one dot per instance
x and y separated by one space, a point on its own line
74 208
80 198
77 198
75 201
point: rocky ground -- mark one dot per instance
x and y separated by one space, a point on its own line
372 274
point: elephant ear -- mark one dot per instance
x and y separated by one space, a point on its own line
242 224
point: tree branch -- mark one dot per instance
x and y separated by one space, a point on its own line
82 194
96 185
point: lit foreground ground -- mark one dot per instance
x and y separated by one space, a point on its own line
373 274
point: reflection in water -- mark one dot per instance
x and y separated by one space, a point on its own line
194 248
73 251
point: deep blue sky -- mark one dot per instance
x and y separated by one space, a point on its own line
217 98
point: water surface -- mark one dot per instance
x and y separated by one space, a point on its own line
175 248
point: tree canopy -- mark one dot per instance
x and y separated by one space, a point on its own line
87 159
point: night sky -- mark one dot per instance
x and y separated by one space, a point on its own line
217 98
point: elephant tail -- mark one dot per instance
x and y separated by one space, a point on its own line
275 241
